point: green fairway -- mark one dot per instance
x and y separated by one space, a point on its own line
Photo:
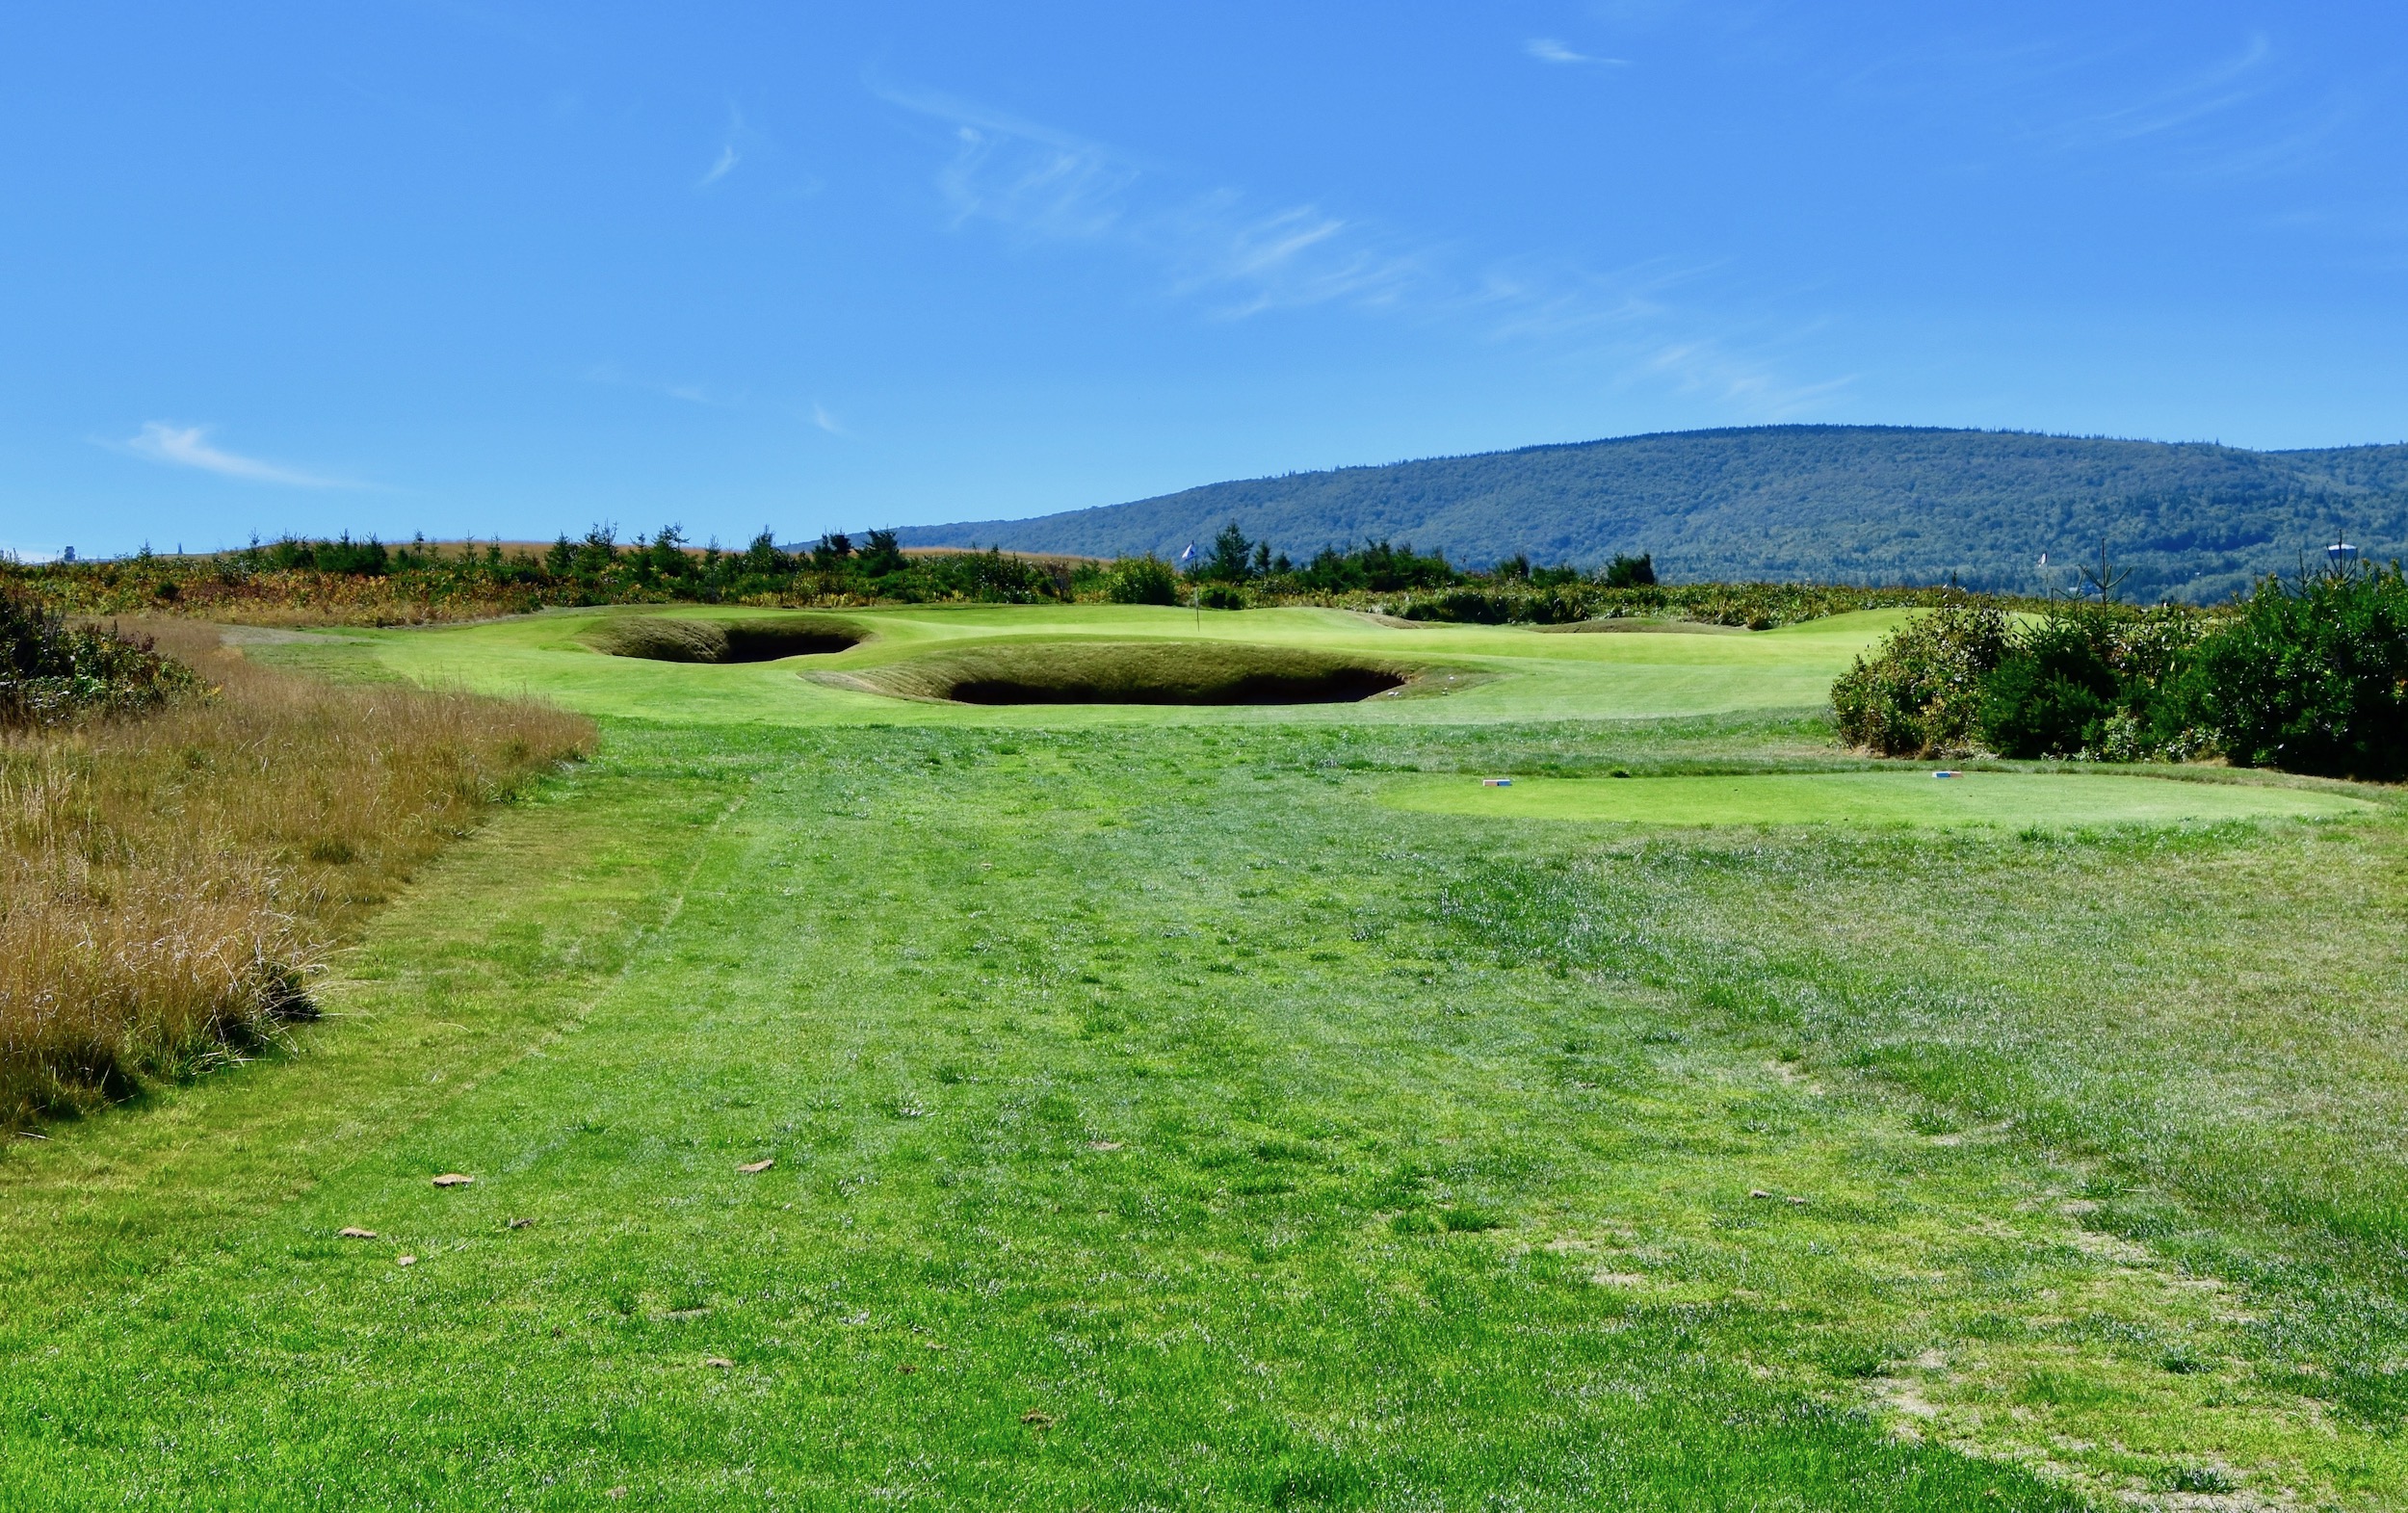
1873 799
1204 1107
1475 674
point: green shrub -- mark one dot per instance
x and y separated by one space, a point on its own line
1471 607
2052 700
1221 596
2311 678
1141 580
1631 572
2092 681
1921 690
51 671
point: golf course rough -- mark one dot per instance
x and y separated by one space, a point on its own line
880 1099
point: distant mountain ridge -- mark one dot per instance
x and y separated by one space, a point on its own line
1835 504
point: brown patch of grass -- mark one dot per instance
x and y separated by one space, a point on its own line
168 882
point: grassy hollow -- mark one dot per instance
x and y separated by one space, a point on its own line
1137 672
660 637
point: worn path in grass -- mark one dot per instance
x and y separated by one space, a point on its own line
1161 1119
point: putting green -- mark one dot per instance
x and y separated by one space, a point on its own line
1878 798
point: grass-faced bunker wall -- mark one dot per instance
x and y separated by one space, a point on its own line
663 639
1134 672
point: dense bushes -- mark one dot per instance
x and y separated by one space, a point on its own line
2312 679
1922 690
365 582
347 582
1542 601
2093 681
2309 677
51 671
1141 580
1631 572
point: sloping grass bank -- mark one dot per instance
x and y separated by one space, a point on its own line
167 882
1136 672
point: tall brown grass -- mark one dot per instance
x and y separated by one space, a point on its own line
167 883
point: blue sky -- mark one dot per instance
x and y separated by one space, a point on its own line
496 267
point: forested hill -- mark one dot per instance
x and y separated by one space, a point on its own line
1844 504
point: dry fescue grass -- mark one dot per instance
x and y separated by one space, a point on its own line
311 598
168 882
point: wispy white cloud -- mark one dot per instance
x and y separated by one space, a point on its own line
1242 261
729 151
611 374
189 446
1741 382
1235 257
1547 49
2247 113
741 400
2208 92
1040 184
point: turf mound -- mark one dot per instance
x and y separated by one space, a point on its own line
1640 627
1134 672
767 639
1877 799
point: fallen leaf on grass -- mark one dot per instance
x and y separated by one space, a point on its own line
348 1232
905 1369
520 1223
1102 1145
615 1493
1037 1417
454 1179
1758 1192
763 1164
1797 1202
719 1363
406 1260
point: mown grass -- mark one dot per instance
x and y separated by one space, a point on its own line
1199 1132
1886 797
1503 674
169 880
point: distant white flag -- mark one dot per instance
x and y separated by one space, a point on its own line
1190 552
